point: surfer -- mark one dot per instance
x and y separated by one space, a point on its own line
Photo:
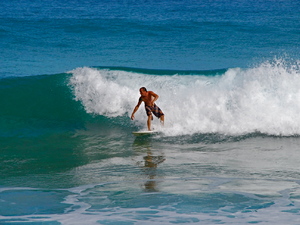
149 97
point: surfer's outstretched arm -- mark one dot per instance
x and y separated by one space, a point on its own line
136 109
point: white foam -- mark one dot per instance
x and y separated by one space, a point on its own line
265 98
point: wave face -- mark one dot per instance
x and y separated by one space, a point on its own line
38 105
262 99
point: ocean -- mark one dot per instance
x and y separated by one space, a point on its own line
227 74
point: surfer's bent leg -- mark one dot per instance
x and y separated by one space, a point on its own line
158 113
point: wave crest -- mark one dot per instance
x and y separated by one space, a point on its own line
262 99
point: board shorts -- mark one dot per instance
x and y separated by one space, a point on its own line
153 109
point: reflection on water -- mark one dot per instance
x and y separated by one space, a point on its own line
150 161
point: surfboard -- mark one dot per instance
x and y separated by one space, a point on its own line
144 132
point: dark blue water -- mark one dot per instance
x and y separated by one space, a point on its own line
227 73
46 37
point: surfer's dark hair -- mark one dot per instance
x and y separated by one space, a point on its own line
143 88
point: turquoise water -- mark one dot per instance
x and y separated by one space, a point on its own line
227 74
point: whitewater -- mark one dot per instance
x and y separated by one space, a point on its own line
263 99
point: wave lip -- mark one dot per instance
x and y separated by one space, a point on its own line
261 99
